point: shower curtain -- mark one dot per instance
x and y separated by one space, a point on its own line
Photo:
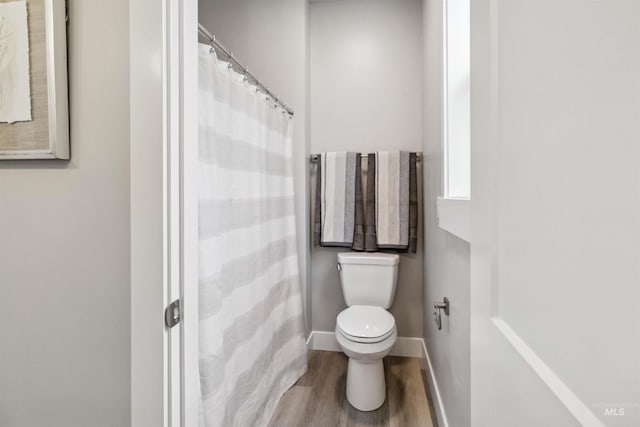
252 345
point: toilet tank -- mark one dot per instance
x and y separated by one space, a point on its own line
368 278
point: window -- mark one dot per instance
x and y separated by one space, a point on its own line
454 208
457 156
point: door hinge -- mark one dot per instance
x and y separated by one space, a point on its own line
172 314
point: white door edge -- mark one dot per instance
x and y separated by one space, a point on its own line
190 386
149 280
163 49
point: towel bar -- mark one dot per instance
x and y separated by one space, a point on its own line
314 157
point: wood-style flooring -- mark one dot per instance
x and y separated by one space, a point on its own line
319 398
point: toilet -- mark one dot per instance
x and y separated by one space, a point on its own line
365 330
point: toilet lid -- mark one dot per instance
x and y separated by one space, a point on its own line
366 323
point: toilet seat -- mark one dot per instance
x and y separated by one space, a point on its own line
372 340
365 324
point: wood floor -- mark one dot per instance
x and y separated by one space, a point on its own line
319 399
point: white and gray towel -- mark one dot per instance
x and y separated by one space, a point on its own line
392 199
335 212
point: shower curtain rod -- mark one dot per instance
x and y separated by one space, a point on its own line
314 157
216 45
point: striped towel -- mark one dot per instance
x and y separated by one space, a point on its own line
370 239
335 211
394 203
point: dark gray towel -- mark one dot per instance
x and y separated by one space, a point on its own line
370 238
358 233
413 203
317 216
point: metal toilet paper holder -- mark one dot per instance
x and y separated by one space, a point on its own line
437 311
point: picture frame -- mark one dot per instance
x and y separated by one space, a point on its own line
46 135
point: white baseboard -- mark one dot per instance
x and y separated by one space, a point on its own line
404 346
436 398
320 340
407 347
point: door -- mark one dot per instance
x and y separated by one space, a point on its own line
555 291
164 268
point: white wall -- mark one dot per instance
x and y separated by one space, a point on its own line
556 208
64 247
446 260
271 39
366 80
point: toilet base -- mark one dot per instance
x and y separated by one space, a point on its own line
366 388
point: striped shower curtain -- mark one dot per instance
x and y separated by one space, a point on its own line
251 327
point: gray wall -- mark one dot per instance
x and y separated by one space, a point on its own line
64 247
446 260
271 39
365 77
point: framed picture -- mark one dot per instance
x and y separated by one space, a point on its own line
34 108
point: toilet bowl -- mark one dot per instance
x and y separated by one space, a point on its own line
366 335
365 330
